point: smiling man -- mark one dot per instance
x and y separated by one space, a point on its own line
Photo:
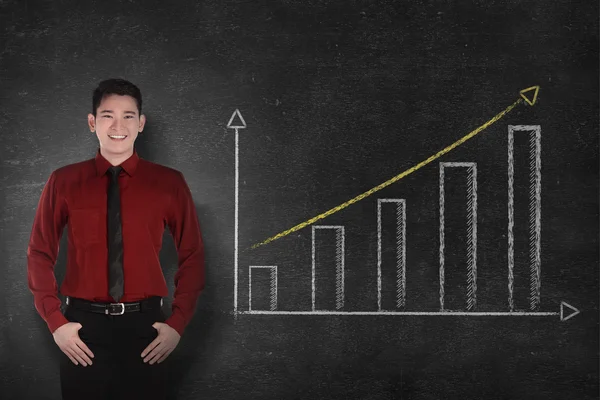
113 333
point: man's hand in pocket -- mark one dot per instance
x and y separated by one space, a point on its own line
68 340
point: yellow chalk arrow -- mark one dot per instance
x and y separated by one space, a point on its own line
410 170
535 90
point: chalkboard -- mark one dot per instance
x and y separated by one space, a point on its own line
399 199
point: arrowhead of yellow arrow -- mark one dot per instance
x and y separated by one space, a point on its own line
535 94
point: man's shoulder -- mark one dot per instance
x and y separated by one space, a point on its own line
160 169
73 170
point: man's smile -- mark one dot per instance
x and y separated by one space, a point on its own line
117 137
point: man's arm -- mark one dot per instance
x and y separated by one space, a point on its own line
42 251
189 278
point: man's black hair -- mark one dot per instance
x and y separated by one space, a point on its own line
116 86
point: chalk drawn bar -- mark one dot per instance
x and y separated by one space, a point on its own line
272 286
339 263
535 213
400 247
471 230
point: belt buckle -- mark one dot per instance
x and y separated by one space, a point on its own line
116 313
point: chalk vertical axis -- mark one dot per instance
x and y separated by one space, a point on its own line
237 183
535 227
236 212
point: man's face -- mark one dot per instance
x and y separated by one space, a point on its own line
117 124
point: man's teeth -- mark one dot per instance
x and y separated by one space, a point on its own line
117 137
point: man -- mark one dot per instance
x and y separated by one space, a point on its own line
113 333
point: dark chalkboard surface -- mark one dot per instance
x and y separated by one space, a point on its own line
412 187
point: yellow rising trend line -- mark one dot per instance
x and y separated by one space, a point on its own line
410 170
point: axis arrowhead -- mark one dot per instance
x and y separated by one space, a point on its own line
241 119
571 315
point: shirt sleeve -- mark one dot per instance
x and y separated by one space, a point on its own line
42 252
189 278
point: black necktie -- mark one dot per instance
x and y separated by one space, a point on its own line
115 237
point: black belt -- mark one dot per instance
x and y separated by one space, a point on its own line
115 308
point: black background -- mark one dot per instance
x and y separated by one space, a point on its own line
338 97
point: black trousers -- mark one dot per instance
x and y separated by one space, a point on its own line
118 371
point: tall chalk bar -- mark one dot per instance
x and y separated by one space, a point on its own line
391 254
458 236
328 262
524 217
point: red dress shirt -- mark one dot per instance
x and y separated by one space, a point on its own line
152 197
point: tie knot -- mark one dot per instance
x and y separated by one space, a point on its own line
114 171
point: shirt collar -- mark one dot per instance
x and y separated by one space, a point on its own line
129 165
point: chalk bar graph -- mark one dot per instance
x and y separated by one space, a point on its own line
328 241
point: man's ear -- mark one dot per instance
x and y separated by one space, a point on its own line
142 123
91 122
